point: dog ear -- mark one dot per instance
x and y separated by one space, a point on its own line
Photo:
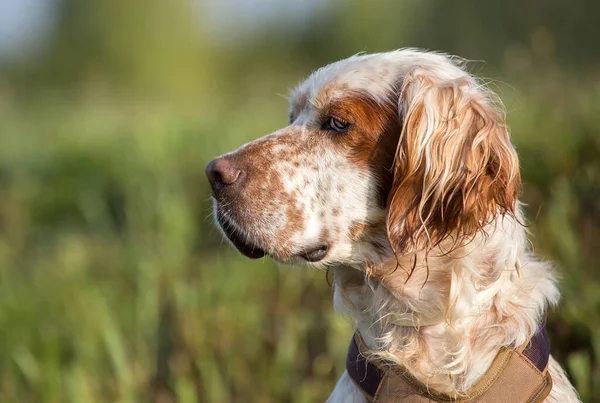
455 169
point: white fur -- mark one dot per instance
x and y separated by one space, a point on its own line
498 310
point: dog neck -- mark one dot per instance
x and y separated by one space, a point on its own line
443 316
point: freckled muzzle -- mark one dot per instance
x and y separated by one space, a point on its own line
258 199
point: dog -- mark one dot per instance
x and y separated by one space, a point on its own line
396 173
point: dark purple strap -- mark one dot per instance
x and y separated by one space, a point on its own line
363 372
368 376
538 349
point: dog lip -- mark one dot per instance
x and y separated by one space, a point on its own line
246 249
316 253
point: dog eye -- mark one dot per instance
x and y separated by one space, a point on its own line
335 124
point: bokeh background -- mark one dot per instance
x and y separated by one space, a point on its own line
114 285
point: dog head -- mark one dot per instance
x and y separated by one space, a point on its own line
385 155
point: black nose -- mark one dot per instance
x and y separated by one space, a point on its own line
221 173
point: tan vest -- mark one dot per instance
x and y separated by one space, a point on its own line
515 376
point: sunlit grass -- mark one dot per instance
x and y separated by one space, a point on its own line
114 285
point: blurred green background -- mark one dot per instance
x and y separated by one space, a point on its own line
114 284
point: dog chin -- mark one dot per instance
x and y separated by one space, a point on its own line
239 240
243 242
315 253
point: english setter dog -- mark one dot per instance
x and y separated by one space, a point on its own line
396 172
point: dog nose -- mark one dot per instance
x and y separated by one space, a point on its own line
221 173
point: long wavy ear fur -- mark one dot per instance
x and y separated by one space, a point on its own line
455 169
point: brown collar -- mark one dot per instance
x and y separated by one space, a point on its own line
516 375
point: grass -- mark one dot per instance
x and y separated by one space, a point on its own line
115 287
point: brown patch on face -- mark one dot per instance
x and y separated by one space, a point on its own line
371 140
356 228
380 131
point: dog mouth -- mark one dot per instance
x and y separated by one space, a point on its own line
243 246
314 253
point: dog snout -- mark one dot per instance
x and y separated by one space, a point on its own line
221 174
